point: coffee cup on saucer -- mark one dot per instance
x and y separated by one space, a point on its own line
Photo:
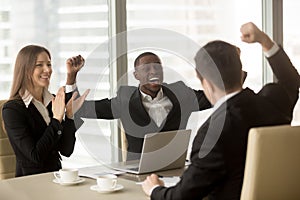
66 175
107 182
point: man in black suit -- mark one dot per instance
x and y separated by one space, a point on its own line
219 148
153 106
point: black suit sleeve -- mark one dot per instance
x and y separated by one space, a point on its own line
106 108
100 109
67 140
286 74
189 99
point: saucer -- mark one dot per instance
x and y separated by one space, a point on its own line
96 188
79 180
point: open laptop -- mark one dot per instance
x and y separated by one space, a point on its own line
161 151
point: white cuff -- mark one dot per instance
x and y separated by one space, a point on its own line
151 190
272 51
70 88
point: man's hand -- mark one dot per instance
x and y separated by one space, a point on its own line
252 34
150 182
73 64
74 104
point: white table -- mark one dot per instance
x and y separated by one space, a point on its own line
41 187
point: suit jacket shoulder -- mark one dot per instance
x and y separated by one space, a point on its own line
14 102
191 99
16 105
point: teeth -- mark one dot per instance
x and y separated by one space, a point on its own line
154 79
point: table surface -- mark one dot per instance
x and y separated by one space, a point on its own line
42 187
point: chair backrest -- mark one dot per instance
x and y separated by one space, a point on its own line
273 164
7 155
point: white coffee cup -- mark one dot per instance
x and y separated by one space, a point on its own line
107 182
66 175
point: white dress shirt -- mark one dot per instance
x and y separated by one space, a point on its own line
272 51
157 108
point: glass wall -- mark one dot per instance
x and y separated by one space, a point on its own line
66 28
291 31
174 29
196 22
5 48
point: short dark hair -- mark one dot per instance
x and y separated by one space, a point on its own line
137 60
219 62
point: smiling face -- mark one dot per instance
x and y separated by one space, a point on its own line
42 71
150 74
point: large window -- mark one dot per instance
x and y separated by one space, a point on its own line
291 31
5 48
198 22
174 29
66 28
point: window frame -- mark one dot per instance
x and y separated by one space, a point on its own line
272 24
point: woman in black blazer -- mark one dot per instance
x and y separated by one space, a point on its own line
40 125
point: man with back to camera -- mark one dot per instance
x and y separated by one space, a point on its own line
151 107
219 148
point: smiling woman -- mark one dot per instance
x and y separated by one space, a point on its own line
28 60
42 71
33 117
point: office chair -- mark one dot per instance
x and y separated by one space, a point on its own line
272 168
7 155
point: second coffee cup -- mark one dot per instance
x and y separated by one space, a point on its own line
107 182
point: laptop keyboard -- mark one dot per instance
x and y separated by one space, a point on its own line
134 168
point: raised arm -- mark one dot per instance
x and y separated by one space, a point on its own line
280 63
73 64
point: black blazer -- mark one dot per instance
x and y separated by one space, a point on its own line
128 107
36 145
219 148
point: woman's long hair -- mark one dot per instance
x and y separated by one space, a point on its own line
23 71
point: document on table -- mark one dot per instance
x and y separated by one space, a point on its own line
195 121
169 180
98 170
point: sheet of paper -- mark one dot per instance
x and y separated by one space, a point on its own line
94 171
170 181
195 122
